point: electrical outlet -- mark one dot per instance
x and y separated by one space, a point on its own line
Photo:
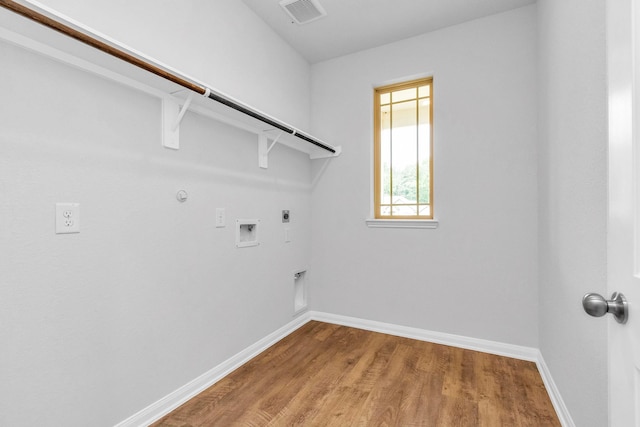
67 218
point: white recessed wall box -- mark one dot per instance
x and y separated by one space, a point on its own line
247 232
303 11
299 292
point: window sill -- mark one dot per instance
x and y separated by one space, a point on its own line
401 223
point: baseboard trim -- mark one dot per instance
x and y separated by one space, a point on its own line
485 346
554 394
170 402
162 407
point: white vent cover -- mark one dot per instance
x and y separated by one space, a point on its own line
303 11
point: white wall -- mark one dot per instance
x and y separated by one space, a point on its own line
222 43
150 294
573 195
476 275
96 326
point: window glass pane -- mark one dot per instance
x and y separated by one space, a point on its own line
404 152
424 91
424 186
424 210
405 185
385 98
424 152
403 95
404 114
411 210
385 118
385 154
424 109
385 210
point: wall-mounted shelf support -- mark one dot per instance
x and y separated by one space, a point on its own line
170 132
264 148
172 116
184 109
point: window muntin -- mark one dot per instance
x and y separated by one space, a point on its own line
403 154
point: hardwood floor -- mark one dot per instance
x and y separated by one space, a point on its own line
330 375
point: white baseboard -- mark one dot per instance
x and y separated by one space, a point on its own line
485 346
167 404
554 394
162 407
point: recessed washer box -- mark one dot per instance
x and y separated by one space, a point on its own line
247 232
299 292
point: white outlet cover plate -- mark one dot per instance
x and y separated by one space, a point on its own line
67 218
221 217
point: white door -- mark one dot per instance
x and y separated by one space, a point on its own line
623 52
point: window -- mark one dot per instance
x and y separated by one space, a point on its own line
403 153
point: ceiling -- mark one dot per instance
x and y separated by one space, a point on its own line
353 25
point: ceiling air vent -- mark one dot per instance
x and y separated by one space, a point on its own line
303 11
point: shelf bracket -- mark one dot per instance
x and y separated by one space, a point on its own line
264 148
172 116
170 113
184 109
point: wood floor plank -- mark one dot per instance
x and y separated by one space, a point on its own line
318 377
330 375
323 400
457 412
261 397
424 399
385 402
495 404
344 404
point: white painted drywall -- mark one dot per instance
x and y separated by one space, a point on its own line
222 43
573 194
150 294
476 274
96 326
